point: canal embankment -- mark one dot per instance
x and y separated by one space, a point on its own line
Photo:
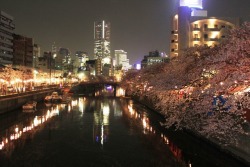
14 101
239 151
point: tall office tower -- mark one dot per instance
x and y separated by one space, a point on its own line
121 59
102 41
192 27
6 38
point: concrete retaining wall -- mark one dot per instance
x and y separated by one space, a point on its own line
15 101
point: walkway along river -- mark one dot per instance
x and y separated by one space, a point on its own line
100 131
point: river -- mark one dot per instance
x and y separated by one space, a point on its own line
99 132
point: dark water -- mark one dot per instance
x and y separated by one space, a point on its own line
99 132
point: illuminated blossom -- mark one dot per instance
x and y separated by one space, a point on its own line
204 90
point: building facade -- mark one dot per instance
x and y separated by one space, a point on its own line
121 60
43 63
80 59
63 60
7 27
154 57
192 27
22 51
79 64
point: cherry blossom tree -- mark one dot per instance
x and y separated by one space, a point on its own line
14 77
204 90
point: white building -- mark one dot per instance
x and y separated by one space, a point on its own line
121 59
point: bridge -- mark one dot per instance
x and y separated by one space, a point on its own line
99 83
89 88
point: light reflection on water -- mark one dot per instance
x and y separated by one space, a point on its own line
16 131
102 120
149 129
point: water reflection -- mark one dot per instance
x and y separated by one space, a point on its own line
102 121
103 110
149 129
96 128
25 128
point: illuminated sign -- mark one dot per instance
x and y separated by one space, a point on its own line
138 66
191 3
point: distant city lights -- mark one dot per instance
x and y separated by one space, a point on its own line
138 66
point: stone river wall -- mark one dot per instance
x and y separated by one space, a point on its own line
15 101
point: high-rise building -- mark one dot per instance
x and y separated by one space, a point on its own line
102 41
192 27
22 51
6 38
102 48
121 59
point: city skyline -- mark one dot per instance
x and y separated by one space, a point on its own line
137 26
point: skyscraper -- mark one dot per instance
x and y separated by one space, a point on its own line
6 38
102 41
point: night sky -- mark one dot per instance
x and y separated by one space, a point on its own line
137 26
